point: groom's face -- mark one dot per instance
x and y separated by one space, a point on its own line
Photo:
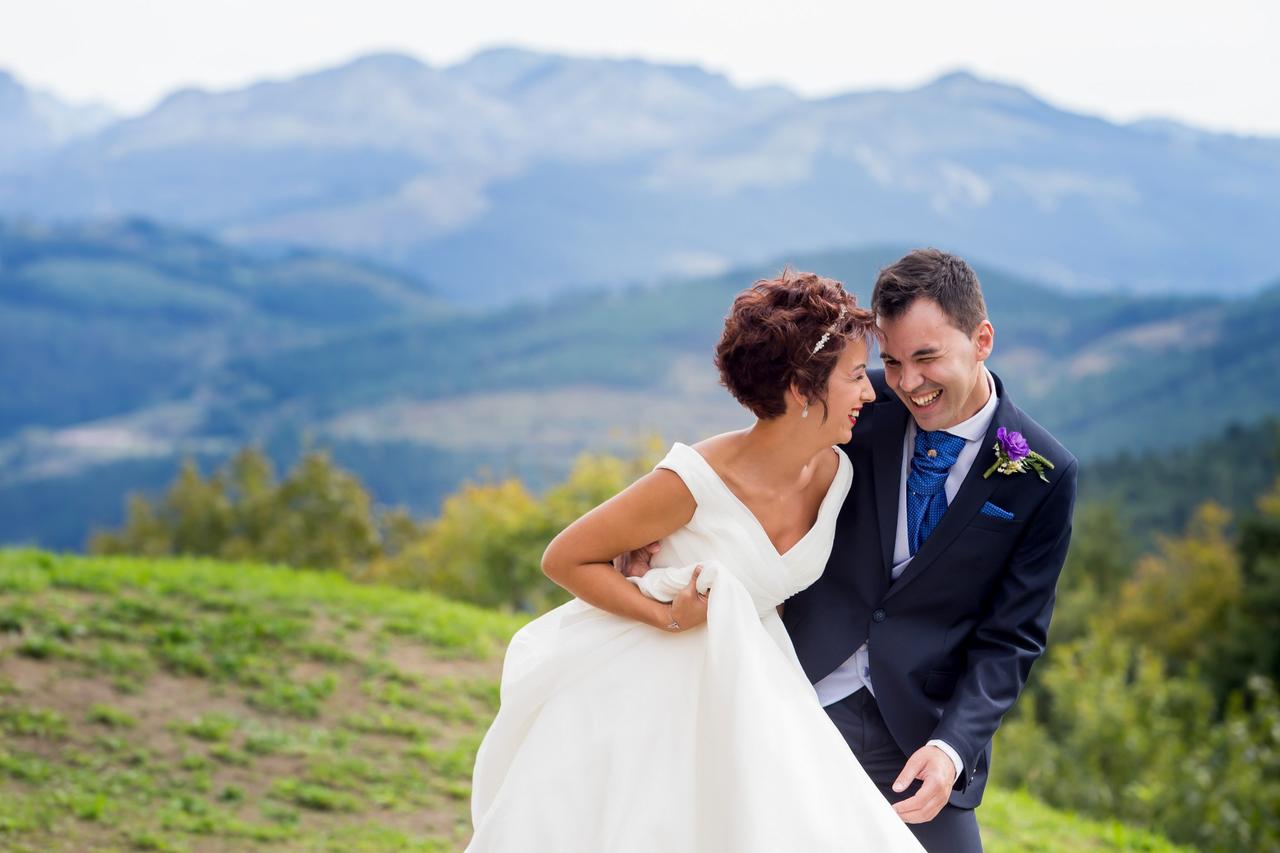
934 367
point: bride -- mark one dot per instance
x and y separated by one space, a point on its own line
668 712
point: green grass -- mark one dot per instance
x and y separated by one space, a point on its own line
184 704
1016 821
188 704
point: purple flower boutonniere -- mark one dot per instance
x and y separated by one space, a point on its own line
1013 456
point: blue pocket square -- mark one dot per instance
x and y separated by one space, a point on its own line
994 511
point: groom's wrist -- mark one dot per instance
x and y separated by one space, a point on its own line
952 754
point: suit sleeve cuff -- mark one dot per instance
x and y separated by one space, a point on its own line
951 753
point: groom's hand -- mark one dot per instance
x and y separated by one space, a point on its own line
937 772
636 563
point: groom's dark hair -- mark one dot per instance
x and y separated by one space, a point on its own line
937 275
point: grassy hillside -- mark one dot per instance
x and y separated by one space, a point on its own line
190 704
172 704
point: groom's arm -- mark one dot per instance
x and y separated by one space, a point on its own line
1006 643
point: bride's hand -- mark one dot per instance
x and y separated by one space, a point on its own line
689 609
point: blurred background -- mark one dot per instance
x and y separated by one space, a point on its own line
365 306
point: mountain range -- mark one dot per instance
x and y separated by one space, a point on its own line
35 123
513 175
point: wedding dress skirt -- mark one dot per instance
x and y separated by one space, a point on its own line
614 736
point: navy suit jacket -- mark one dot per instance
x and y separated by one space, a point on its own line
953 638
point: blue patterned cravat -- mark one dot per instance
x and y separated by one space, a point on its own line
935 453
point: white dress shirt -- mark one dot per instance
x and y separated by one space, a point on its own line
855 673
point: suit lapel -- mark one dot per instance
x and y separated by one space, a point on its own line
887 456
974 492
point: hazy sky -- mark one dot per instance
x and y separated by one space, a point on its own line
1211 65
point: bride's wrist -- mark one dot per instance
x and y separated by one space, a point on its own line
660 616
668 621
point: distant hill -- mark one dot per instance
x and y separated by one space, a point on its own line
161 704
126 346
111 318
1105 373
514 174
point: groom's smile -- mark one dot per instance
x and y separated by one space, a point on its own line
926 400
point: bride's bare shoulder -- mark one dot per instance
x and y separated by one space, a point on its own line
717 447
826 465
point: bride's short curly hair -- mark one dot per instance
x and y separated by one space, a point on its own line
770 333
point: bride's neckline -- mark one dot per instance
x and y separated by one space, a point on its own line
822 506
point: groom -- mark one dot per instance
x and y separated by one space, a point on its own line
936 600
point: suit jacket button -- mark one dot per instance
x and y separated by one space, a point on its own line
879 615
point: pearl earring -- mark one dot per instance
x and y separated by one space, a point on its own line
804 413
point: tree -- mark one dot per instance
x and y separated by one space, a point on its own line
1179 600
486 546
250 482
319 516
1099 563
1119 734
1252 634
322 517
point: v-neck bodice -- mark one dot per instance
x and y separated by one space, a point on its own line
842 462
724 529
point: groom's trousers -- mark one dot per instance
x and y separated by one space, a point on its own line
857 716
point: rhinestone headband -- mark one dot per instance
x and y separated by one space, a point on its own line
822 341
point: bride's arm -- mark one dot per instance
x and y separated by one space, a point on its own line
580 558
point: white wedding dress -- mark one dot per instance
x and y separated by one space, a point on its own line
614 736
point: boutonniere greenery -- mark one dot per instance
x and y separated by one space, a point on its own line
1013 456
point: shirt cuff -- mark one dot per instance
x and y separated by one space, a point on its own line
951 753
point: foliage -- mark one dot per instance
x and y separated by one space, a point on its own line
1251 638
1177 602
1122 735
1100 560
318 515
486 546
1157 700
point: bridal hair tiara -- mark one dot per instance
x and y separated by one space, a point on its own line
822 341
